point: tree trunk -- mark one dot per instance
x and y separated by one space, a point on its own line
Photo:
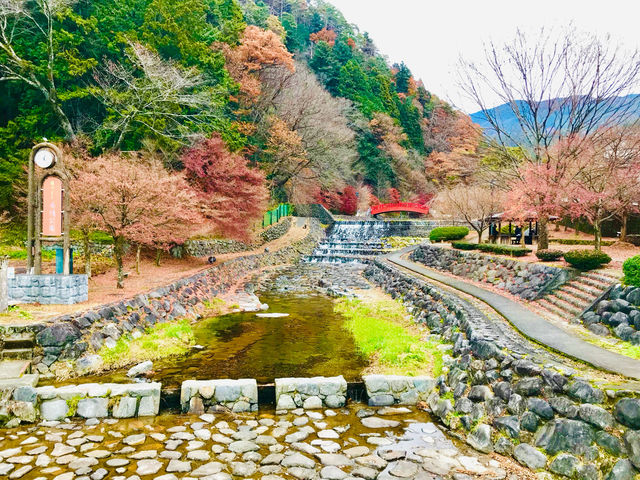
623 228
522 227
117 252
543 233
597 233
138 248
87 253
158 257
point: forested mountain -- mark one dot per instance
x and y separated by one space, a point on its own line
287 84
505 116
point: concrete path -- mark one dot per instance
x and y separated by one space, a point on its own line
529 324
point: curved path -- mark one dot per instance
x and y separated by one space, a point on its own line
529 324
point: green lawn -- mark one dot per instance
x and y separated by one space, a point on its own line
390 340
161 341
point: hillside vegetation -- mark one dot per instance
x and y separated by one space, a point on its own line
285 86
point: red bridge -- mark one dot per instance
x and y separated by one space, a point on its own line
399 207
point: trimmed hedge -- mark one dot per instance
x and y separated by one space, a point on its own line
549 255
511 250
574 241
464 245
631 269
443 234
586 259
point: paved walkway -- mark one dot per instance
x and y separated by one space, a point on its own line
529 324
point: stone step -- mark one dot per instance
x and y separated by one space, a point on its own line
12 369
17 354
588 289
551 308
593 282
577 302
28 380
570 310
602 276
586 297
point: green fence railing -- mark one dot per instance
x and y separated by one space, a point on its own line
274 216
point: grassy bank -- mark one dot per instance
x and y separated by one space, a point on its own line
161 341
386 335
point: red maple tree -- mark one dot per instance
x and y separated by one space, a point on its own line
232 195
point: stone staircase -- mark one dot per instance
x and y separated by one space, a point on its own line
570 300
16 354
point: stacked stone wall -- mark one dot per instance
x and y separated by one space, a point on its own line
387 390
311 393
199 396
48 289
617 314
526 280
206 248
507 401
28 404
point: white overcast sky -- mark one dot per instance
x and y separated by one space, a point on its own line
429 35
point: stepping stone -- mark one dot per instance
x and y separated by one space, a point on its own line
148 467
298 460
376 422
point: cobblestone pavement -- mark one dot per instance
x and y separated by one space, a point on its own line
354 443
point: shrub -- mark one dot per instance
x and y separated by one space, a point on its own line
511 250
631 269
441 234
549 255
576 241
586 259
504 229
464 245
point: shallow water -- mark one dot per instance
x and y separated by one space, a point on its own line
311 341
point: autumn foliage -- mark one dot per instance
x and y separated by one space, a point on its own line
231 194
134 201
258 50
324 35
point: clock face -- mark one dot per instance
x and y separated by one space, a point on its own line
45 158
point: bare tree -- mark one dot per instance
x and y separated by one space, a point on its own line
559 85
19 18
319 119
156 94
473 204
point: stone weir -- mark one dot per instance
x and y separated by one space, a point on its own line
72 341
502 394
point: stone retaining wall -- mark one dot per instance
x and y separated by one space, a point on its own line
28 404
4 293
547 418
72 341
387 390
199 396
206 248
48 289
311 393
526 280
315 210
617 314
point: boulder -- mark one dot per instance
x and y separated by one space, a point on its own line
565 465
627 412
622 470
596 416
585 393
563 435
632 442
480 438
530 456
58 335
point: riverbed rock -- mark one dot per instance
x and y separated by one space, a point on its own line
140 369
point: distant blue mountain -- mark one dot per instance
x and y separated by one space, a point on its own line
509 122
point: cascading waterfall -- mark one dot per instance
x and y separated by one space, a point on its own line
353 240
